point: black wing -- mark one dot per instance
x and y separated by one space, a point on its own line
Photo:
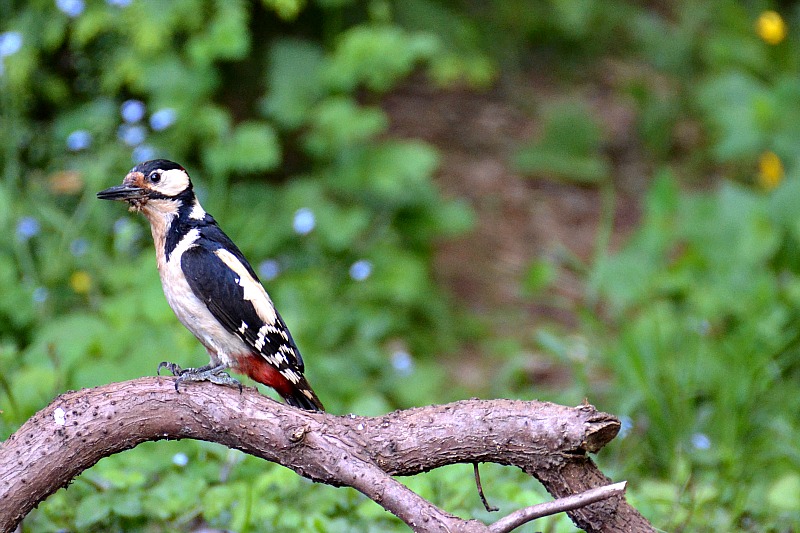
226 290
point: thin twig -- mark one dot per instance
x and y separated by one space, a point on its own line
568 503
490 508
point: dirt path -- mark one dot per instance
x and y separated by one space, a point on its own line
519 218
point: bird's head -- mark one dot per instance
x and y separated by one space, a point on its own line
160 183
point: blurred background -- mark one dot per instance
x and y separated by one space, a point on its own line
552 199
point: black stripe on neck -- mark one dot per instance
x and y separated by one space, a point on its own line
183 222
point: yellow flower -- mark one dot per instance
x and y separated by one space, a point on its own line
80 281
771 27
770 170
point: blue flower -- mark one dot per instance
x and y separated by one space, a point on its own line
304 221
163 119
360 270
701 441
27 227
625 426
126 234
122 225
143 153
269 269
131 135
132 110
78 247
180 459
402 362
79 140
71 8
10 43
40 295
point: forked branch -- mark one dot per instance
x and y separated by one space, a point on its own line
545 440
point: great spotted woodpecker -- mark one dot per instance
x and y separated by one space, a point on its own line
212 288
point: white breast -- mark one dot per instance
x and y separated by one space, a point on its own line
191 311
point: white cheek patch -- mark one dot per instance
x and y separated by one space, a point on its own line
253 291
173 182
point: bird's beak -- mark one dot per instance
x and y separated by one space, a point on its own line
122 192
131 189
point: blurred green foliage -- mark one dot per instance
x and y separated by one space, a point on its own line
688 332
570 147
704 302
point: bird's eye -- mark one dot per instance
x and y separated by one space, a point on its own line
155 177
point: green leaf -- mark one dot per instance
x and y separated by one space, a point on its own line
72 339
92 510
33 386
393 174
377 56
340 228
253 147
737 122
175 494
294 81
286 9
454 217
539 276
339 123
128 504
570 147
226 37
784 494
562 166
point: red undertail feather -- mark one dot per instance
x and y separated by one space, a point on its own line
297 395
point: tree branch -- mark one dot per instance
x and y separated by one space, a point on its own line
568 503
545 440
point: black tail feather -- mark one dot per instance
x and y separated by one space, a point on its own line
304 397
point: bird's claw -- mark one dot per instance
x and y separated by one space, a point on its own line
172 367
214 374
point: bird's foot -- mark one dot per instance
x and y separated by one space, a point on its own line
214 374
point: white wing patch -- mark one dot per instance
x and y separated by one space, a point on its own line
278 359
253 290
291 375
266 329
184 244
243 327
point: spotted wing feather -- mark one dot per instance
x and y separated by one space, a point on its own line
219 287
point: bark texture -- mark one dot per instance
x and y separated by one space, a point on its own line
548 441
